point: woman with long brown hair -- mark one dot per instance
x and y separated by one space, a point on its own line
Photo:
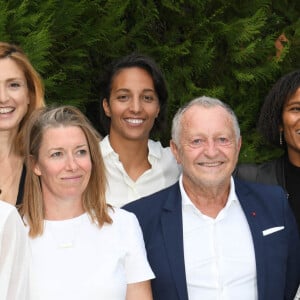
21 92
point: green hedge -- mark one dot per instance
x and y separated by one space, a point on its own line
224 49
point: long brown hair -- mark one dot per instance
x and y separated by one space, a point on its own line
94 202
34 83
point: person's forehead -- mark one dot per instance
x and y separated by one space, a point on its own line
212 113
211 120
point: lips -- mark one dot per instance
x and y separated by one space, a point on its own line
72 178
210 164
134 121
6 110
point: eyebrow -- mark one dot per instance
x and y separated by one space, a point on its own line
15 78
293 102
55 149
61 148
128 90
82 146
122 90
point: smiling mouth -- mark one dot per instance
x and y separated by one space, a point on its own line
6 110
210 164
134 121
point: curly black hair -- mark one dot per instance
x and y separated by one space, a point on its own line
270 117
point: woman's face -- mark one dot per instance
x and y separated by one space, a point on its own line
291 127
133 104
14 95
64 164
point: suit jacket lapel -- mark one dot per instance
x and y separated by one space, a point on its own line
171 221
250 210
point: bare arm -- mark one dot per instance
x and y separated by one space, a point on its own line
139 290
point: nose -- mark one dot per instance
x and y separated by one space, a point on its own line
71 163
211 149
135 104
3 94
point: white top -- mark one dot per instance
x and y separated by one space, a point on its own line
122 189
218 253
75 259
14 255
297 297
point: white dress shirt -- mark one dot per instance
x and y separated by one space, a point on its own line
218 253
122 189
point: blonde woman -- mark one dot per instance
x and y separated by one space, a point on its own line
81 247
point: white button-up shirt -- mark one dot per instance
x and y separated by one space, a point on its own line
122 189
218 253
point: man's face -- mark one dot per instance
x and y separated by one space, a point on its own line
208 147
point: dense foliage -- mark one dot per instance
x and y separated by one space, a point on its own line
234 50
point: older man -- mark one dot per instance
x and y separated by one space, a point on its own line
212 237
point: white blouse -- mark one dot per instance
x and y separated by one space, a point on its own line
14 255
122 189
75 259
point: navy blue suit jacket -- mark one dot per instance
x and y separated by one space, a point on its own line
277 255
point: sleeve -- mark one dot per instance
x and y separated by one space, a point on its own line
137 267
14 259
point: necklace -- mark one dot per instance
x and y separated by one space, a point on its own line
65 232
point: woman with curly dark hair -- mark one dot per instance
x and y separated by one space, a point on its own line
279 124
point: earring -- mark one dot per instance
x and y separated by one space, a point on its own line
280 138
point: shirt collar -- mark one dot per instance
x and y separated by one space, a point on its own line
186 201
106 148
155 148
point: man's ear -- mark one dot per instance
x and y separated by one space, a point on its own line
175 151
106 107
239 143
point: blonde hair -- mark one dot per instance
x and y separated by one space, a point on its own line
94 202
34 83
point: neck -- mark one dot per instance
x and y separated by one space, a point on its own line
123 145
133 154
7 140
62 209
10 178
294 157
210 200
